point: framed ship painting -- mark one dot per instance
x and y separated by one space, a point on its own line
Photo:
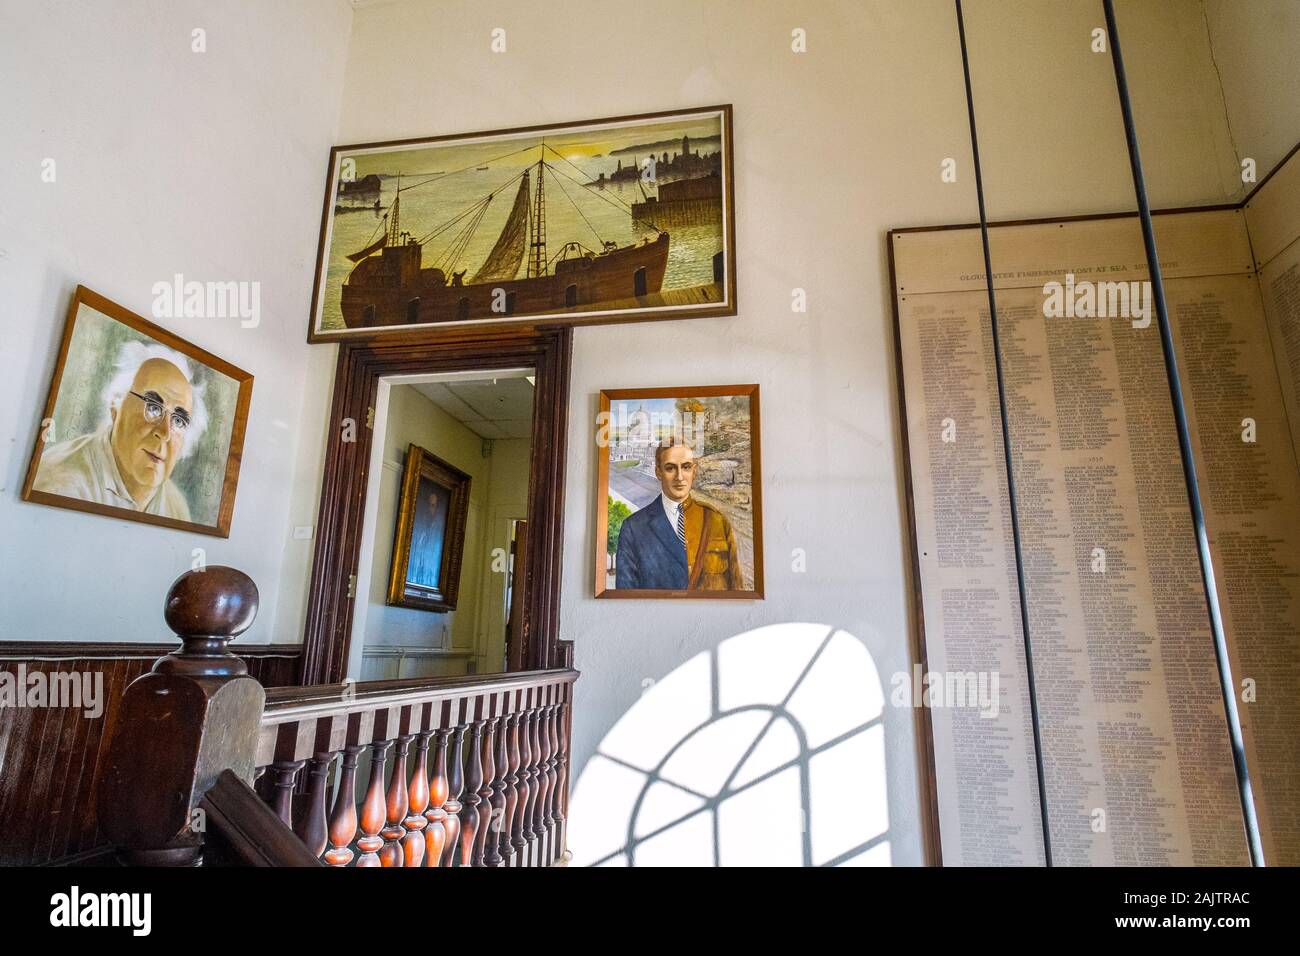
139 424
679 494
614 220
430 537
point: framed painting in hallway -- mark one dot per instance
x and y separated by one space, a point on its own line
139 424
429 541
679 493
615 220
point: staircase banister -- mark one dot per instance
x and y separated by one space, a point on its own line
479 764
192 718
294 702
435 772
247 830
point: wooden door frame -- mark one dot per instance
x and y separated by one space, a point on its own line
361 364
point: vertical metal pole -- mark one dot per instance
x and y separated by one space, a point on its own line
1184 442
1006 442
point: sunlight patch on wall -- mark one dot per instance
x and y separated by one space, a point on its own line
765 751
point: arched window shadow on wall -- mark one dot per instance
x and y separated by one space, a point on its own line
767 750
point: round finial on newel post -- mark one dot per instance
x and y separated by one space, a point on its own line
207 608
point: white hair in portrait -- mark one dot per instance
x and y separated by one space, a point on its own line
130 357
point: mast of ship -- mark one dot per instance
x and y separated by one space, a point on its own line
393 219
640 176
537 240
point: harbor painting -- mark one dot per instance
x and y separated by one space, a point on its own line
679 493
619 220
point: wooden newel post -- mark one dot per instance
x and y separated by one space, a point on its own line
194 715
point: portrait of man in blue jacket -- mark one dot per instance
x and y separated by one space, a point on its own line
677 543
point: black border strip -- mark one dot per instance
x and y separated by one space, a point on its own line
1006 442
1184 443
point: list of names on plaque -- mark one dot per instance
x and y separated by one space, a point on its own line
1137 760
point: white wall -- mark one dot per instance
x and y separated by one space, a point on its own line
1051 133
1255 59
1211 81
167 161
507 502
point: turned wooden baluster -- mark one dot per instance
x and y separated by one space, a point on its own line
372 810
343 818
417 791
485 851
519 828
435 834
498 848
313 826
528 775
543 742
562 765
510 740
552 775
537 773
471 822
453 806
542 821
286 773
397 804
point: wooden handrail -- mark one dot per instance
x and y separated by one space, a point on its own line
250 832
318 700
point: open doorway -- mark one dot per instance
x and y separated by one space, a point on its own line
494 408
450 459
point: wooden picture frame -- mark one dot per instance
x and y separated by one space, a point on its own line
611 266
426 476
85 472
723 554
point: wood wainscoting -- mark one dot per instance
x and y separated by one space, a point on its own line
51 757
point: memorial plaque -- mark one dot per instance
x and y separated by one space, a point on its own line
1137 763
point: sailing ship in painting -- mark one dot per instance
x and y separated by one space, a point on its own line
424 262
390 285
359 195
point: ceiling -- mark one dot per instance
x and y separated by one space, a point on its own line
500 408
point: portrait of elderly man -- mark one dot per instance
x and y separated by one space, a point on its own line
677 542
153 416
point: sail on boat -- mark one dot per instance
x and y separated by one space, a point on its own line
504 259
392 285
